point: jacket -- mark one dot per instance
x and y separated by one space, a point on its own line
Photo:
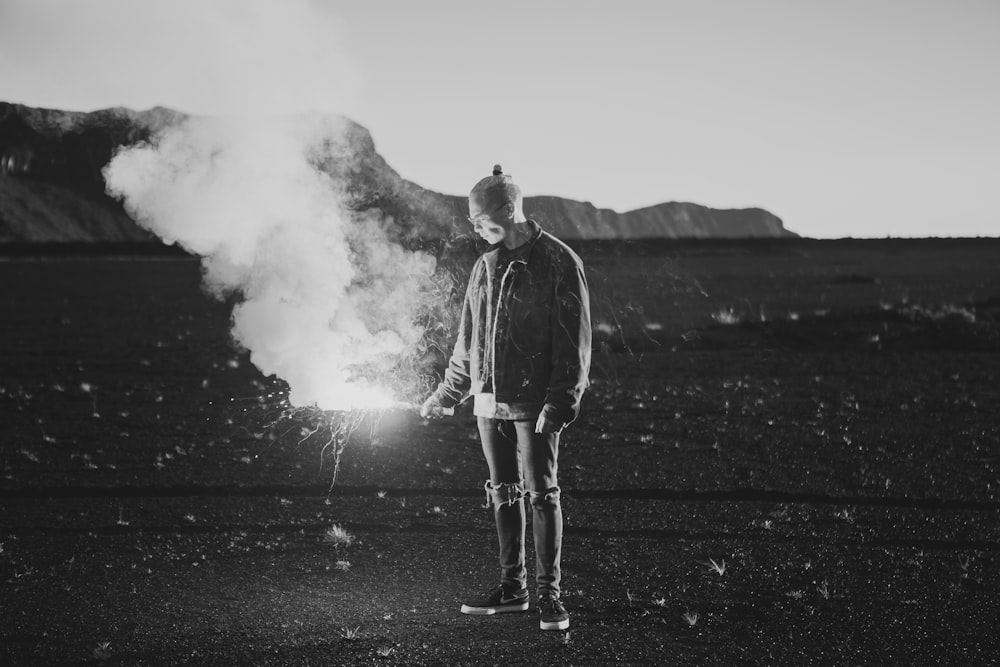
528 353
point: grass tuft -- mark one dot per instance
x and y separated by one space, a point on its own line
30 455
338 537
727 316
719 567
102 651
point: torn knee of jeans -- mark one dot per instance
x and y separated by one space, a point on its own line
544 499
503 494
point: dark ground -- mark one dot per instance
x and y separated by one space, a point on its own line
821 417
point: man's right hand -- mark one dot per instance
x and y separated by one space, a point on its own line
431 409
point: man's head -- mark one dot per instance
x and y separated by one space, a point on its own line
495 205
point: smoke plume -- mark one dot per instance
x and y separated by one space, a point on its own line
326 301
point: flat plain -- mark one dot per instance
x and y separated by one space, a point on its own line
790 454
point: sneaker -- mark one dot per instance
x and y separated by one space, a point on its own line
554 616
497 600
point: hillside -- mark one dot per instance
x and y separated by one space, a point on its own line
52 190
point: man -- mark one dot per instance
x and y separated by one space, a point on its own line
523 353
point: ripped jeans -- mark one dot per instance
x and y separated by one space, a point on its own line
524 463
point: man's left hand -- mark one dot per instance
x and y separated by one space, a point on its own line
544 425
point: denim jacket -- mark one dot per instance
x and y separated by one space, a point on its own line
530 352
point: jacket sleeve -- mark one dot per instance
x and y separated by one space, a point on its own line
454 388
571 338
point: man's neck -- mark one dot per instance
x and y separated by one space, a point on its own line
519 234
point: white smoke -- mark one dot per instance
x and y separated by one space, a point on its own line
324 300
327 301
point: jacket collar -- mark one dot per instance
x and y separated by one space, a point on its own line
493 252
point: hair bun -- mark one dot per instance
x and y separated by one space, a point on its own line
497 170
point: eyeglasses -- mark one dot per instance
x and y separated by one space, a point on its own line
472 221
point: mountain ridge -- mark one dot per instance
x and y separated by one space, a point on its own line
52 188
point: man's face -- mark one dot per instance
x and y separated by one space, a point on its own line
494 225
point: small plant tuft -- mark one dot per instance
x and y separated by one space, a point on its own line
727 316
691 617
102 651
963 562
719 567
338 537
30 455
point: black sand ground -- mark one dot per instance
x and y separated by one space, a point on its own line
820 418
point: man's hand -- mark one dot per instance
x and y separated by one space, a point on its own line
544 425
431 409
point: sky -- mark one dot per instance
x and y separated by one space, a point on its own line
844 118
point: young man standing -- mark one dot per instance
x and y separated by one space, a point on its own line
523 354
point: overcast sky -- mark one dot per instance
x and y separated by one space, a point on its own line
842 117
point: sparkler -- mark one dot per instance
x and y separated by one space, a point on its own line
341 425
337 426
331 428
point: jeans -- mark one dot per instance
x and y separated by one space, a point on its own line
523 462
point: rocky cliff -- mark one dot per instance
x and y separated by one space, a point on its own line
52 190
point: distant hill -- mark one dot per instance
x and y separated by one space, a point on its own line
52 190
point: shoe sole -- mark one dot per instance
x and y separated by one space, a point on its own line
554 625
489 611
